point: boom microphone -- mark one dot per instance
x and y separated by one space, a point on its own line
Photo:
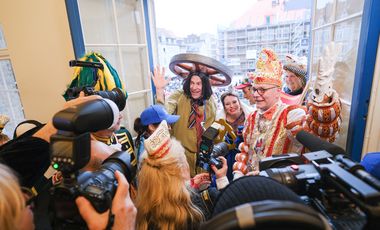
314 143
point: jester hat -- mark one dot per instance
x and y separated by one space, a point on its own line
107 79
268 69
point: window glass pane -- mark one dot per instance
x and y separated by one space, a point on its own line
321 38
2 39
118 45
135 63
10 103
346 8
109 53
130 21
324 12
346 33
97 19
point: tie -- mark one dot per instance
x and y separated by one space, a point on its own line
193 114
195 120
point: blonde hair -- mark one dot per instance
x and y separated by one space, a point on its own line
163 200
12 202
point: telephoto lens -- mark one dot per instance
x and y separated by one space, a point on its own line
116 95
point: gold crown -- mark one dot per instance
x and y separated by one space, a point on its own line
158 144
268 69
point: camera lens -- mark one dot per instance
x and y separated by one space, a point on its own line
116 95
220 149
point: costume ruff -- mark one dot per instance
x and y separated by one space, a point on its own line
271 132
124 138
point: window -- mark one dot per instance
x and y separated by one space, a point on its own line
116 29
343 26
10 102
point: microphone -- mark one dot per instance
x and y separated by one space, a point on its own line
314 143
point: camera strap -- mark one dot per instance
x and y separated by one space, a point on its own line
111 218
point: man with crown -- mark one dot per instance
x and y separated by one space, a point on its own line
271 128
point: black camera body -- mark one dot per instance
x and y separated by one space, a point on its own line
335 186
208 151
70 151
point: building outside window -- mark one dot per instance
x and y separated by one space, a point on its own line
10 102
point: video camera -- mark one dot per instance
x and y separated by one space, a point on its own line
71 150
208 151
337 187
116 95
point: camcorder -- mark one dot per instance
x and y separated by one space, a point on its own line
116 94
71 150
208 151
330 182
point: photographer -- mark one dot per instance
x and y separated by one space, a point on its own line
29 156
15 208
164 199
93 74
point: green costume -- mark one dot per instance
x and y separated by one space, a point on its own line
178 103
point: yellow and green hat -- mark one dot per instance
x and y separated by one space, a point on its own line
107 79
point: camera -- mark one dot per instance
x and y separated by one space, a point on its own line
70 151
208 151
337 187
116 94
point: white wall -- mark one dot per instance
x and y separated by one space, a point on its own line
38 38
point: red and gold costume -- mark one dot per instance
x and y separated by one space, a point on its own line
269 132
272 131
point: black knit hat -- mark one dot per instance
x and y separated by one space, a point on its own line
253 188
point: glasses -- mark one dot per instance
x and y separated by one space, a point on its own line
261 91
29 196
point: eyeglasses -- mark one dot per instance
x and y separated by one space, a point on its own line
261 91
29 196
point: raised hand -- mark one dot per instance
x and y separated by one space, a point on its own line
158 77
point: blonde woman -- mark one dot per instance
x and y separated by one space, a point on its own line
15 211
164 201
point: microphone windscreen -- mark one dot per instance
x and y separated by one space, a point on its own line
314 143
253 188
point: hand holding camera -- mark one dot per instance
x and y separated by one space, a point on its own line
123 211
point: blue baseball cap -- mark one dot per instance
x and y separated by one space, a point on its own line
156 114
371 163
